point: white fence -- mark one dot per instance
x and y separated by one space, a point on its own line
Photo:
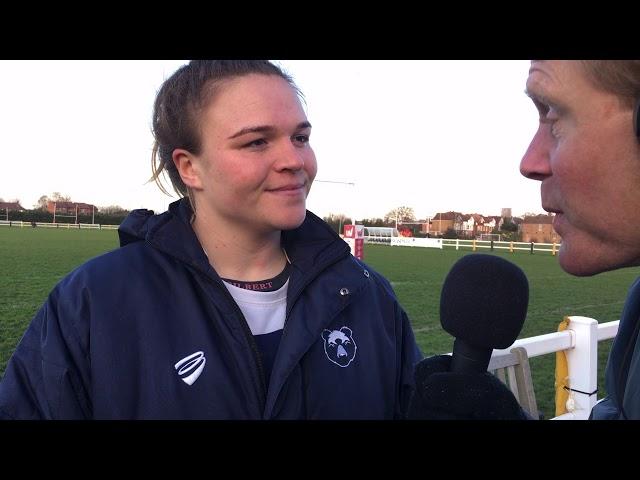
580 342
416 242
458 243
21 224
494 245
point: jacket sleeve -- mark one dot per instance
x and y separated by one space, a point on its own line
409 355
47 375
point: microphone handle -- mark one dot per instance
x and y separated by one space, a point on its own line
468 358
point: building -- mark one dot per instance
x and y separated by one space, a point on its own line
465 225
69 208
539 229
441 222
11 207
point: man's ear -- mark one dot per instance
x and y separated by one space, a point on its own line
185 163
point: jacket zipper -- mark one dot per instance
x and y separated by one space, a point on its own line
252 343
262 388
299 291
245 326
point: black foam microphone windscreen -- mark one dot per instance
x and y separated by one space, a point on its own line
483 304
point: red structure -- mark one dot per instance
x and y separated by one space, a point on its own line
354 236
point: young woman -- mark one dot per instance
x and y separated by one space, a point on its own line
236 303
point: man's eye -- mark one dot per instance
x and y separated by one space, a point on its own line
552 114
301 138
542 108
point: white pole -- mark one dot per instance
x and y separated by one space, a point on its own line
93 214
582 361
353 184
55 206
76 213
354 201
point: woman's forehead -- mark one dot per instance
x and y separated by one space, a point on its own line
255 98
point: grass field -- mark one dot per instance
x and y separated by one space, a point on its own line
32 261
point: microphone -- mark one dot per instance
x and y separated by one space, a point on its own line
483 304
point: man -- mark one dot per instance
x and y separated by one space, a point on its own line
586 154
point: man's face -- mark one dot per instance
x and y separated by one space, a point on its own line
588 160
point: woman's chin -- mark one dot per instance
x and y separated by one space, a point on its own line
292 221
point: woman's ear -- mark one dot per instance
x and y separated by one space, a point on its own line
185 163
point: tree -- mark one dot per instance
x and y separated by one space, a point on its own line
113 210
509 226
450 233
376 222
42 203
58 197
402 214
336 221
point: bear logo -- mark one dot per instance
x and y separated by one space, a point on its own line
339 346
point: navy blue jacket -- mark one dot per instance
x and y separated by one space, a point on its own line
622 376
108 342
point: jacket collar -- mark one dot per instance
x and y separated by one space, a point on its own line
310 246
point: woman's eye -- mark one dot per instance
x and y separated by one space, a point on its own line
256 143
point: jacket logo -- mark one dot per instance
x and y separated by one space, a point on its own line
339 346
190 368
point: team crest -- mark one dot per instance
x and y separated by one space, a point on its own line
339 346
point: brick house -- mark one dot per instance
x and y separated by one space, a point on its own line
11 207
69 208
440 222
475 224
491 223
539 229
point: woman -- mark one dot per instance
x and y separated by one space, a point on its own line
236 303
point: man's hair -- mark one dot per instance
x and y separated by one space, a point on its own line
179 105
620 77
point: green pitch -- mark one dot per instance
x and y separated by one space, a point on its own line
33 260
417 275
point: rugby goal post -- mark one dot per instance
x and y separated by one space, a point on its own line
496 237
